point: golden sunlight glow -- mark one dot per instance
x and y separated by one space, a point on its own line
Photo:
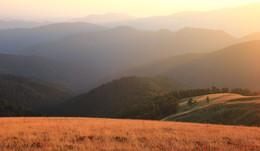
80 8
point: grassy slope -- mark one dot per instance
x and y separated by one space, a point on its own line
224 108
111 134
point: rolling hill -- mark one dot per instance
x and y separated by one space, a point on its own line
250 37
224 108
233 66
73 77
110 98
111 50
30 93
160 66
12 110
13 41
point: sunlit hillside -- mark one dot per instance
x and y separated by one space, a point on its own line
233 66
223 108
122 135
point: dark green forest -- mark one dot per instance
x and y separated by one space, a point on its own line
12 110
31 93
108 99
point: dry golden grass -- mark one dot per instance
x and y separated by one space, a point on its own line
126 135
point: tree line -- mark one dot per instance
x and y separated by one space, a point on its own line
164 105
180 94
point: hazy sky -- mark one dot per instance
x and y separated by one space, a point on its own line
32 9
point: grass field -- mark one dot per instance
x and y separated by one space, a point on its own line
223 108
122 135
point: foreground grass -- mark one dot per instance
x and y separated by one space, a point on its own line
111 134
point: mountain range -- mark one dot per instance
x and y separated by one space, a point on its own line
14 40
13 24
84 60
148 69
238 21
104 19
113 49
73 77
233 66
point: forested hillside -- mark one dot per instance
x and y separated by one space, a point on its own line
12 110
108 99
31 93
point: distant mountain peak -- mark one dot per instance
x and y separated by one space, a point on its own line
68 25
203 31
253 36
104 18
189 29
125 28
164 30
